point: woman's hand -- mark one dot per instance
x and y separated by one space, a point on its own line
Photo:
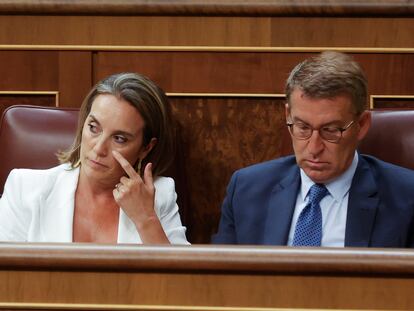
136 198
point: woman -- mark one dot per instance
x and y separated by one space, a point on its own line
108 187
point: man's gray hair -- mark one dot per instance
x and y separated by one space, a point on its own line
328 75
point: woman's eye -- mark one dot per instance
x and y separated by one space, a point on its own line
120 139
93 128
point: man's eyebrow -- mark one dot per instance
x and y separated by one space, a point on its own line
295 119
335 123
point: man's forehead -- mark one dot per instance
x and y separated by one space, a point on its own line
341 101
320 112
315 95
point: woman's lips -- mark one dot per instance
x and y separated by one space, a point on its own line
97 164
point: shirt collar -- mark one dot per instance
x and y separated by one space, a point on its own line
338 187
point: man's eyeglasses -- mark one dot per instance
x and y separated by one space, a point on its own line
304 131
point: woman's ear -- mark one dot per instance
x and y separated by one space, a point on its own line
147 149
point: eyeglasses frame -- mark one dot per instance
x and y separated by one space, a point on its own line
341 129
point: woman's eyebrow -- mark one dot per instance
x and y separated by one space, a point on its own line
117 132
91 116
120 132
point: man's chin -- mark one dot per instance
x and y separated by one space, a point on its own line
318 176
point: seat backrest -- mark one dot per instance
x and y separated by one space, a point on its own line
30 136
391 137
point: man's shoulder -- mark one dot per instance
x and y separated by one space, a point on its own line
386 166
385 170
282 167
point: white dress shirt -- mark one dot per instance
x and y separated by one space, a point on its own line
334 206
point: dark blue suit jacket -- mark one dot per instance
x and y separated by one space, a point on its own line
260 201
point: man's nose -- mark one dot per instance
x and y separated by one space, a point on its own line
316 143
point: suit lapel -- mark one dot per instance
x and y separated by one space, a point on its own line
58 207
362 206
280 209
127 232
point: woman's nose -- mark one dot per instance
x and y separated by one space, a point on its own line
100 147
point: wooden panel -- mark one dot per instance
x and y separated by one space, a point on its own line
205 72
68 72
381 102
388 73
158 291
208 31
74 78
45 99
124 277
211 7
248 72
134 30
29 71
342 32
385 23
220 135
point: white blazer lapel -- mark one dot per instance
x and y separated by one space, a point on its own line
58 207
127 233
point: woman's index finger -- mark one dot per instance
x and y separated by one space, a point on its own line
125 164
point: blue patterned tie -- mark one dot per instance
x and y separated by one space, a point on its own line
308 231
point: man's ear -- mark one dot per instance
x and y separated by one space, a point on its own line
287 111
364 123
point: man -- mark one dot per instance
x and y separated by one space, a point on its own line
327 194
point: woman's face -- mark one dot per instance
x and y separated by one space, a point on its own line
112 124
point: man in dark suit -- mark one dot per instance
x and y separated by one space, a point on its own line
327 194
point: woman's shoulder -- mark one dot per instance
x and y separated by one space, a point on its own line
27 172
164 183
164 191
37 177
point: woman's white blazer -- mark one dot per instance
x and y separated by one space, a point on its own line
38 206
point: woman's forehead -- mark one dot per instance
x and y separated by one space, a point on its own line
116 112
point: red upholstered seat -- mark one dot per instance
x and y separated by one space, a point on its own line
30 136
391 137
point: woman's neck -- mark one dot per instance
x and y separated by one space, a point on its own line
94 188
96 213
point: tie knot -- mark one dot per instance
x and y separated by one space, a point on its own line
317 193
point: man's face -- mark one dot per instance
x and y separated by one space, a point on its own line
321 160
